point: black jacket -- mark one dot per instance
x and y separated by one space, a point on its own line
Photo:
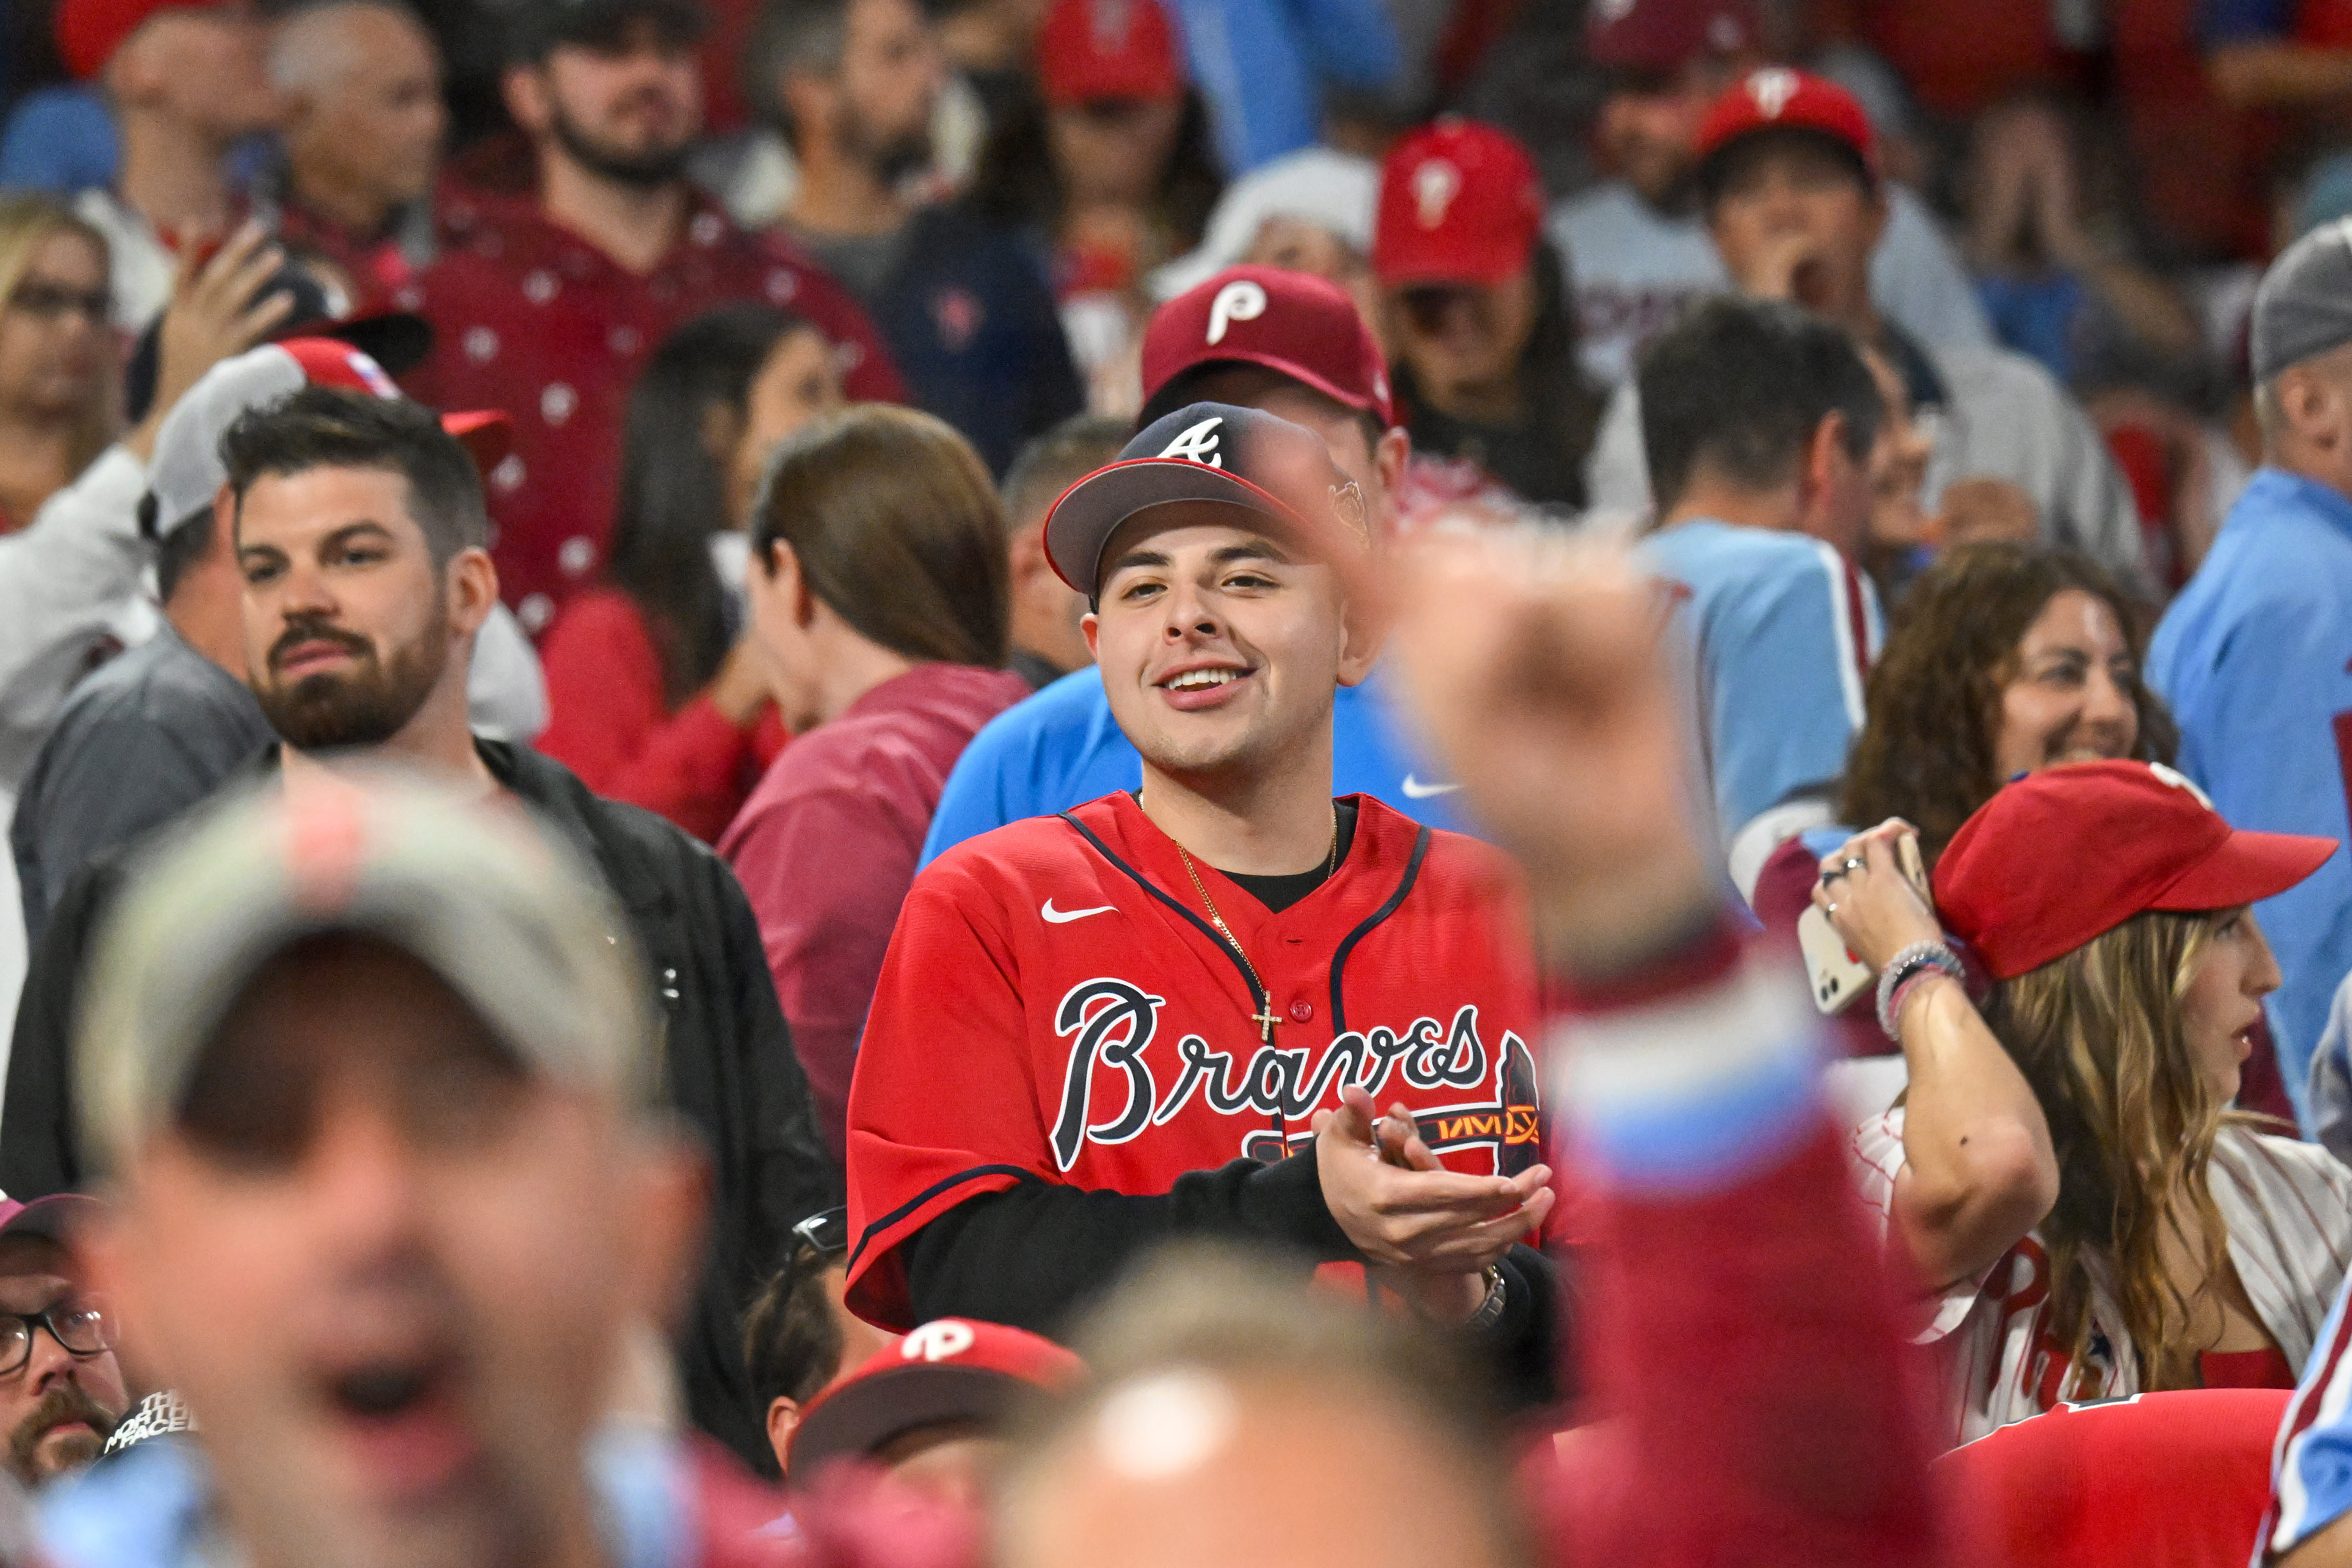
727 1056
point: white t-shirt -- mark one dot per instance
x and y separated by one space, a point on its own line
1633 269
2288 1208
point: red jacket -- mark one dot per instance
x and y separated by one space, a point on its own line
827 844
609 721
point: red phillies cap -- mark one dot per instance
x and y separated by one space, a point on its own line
950 1369
89 31
487 434
1778 98
2069 853
1460 203
1293 323
1108 48
1663 36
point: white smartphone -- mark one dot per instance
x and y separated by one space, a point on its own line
1839 977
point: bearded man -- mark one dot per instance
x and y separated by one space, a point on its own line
548 305
61 1390
359 528
961 297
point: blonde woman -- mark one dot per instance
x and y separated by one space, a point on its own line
2085 1215
57 353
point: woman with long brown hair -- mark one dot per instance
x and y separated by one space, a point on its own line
2086 1215
880 606
57 353
2003 659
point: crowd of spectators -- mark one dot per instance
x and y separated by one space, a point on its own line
914 783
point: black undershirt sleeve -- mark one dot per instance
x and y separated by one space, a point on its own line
1037 1255
1034 1255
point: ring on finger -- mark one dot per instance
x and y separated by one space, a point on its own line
1854 863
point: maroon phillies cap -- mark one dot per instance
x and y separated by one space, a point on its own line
1460 203
1207 452
1661 36
1108 49
950 1369
1292 323
2071 853
1778 98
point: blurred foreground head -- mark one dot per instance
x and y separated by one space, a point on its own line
368 1069
1235 1416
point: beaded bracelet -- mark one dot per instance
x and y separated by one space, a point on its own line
1911 964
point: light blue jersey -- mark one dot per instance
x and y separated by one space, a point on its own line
1783 631
2253 656
1061 748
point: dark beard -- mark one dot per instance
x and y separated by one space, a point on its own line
890 160
366 707
66 1401
645 170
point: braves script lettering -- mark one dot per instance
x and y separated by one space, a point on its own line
1111 1023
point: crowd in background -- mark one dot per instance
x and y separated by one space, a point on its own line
936 510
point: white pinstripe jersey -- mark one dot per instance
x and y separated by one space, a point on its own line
2288 1208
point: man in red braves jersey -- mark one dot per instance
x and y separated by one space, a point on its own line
1168 1012
547 305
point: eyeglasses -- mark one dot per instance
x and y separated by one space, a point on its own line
80 1323
47 301
827 1233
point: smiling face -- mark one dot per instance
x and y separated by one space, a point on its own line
2223 1001
348 624
391 1264
2070 696
1221 644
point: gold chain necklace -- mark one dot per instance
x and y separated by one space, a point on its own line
1263 1018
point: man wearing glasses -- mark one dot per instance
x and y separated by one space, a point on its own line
61 1390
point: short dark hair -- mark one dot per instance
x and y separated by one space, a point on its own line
791 1343
806 36
327 428
1053 462
897 530
177 552
1739 386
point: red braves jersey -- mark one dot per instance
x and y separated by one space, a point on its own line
529 318
1055 1005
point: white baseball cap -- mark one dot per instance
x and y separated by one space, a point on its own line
187 472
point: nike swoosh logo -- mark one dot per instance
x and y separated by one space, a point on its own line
1416 790
1063 917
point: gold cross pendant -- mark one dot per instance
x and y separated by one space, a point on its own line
1265 1022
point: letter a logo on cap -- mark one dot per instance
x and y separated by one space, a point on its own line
1199 444
1435 185
1239 300
1772 89
943 1338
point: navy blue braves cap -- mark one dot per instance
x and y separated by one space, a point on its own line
1207 452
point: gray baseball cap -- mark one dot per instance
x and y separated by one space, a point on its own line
187 472
477 891
2303 307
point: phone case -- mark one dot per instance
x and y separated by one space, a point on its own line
1838 978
